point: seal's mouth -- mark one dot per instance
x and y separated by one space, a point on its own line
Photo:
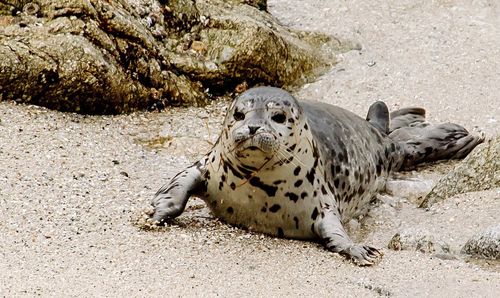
261 144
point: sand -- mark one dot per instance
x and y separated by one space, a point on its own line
72 186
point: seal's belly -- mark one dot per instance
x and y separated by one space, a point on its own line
282 213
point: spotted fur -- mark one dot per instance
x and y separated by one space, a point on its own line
296 170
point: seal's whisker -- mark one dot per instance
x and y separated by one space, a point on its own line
293 153
287 154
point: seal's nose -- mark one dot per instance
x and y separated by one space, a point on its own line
253 129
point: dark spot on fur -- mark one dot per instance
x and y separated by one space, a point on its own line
274 208
263 209
233 170
296 220
223 178
298 183
336 182
296 171
306 127
280 232
315 213
330 187
278 182
312 172
291 148
303 195
347 172
312 228
323 190
310 175
230 210
292 196
221 184
269 189
341 157
233 186
360 190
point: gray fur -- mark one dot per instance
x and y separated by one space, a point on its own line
300 170
378 116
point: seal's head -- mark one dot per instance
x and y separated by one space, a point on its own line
261 124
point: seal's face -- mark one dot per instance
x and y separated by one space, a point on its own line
260 122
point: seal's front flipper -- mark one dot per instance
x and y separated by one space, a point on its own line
378 116
434 142
170 200
335 239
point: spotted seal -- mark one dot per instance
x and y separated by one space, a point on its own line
301 169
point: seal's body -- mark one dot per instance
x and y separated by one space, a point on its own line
300 169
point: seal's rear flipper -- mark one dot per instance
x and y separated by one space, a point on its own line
407 117
378 116
426 143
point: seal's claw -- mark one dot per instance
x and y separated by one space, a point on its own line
362 255
165 211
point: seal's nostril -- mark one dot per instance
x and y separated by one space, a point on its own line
253 129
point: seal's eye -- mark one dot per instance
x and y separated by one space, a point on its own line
279 118
238 116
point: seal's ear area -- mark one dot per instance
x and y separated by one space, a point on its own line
406 117
378 116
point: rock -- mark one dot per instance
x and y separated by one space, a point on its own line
418 240
480 170
411 188
485 245
105 57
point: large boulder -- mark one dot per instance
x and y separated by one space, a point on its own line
480 170
97 56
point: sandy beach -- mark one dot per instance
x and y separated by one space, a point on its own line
72 187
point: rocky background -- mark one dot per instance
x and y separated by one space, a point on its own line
108 57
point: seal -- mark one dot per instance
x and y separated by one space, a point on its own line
302 169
